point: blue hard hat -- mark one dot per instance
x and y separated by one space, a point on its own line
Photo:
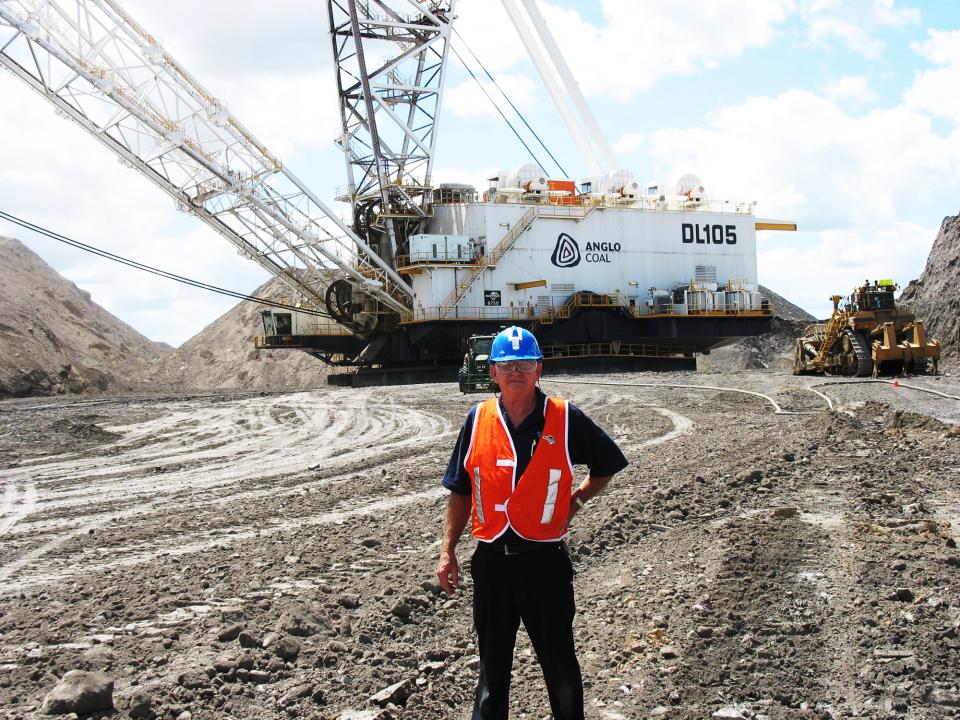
515 343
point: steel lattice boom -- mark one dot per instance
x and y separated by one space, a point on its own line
101 69
390 56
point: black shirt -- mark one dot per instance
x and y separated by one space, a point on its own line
588 445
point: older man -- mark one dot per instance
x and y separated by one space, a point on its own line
511 476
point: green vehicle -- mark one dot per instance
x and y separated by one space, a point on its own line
474 376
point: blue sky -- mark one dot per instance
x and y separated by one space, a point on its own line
841 115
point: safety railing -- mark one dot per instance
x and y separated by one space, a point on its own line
538 316
577 205
518 312
716 310
613 349
426 258
296 341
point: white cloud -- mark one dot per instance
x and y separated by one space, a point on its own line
832 262
629 143
854 22
799 155
853 88
287 113
466 99
638 43
216 39
942 47
935 91
485 27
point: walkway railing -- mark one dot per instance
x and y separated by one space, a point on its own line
613 349
538 316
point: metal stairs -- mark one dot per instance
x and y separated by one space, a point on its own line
491 260
830 337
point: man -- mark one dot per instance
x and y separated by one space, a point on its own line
511 476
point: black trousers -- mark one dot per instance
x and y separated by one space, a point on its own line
535 587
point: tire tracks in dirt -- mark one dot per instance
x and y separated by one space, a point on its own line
287 437
16 504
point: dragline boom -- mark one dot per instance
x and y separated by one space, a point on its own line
97 66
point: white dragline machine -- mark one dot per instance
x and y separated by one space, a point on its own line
603 269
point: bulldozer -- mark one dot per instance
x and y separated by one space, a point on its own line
867 334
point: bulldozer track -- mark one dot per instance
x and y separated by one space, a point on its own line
861 348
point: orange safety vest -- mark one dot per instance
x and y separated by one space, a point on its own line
537 504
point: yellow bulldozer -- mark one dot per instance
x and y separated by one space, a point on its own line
867 335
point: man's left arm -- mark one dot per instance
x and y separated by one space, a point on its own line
589 445
589 488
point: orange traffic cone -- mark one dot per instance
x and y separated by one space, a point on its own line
896 381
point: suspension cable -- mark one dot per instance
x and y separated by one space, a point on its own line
150 269
507 98
497 108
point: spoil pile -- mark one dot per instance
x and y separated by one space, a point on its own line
222 355
55 339
773 349
785 309
935 296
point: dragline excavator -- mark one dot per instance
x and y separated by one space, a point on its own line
603 269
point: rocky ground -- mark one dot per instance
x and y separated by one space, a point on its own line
271 555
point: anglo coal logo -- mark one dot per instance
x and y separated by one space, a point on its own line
567 253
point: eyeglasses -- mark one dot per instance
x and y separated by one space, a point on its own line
524 366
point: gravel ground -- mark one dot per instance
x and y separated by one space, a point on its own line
272 555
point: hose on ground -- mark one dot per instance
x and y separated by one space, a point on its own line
886 382
776 407
777 410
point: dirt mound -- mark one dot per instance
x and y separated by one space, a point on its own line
55 339
773 350
222 355
935 296
785 309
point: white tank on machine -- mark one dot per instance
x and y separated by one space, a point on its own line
615 185
528 178
690 187
698 299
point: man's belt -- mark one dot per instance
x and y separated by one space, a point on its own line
519 548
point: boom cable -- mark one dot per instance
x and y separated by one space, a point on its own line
507 98
497 108
150 269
